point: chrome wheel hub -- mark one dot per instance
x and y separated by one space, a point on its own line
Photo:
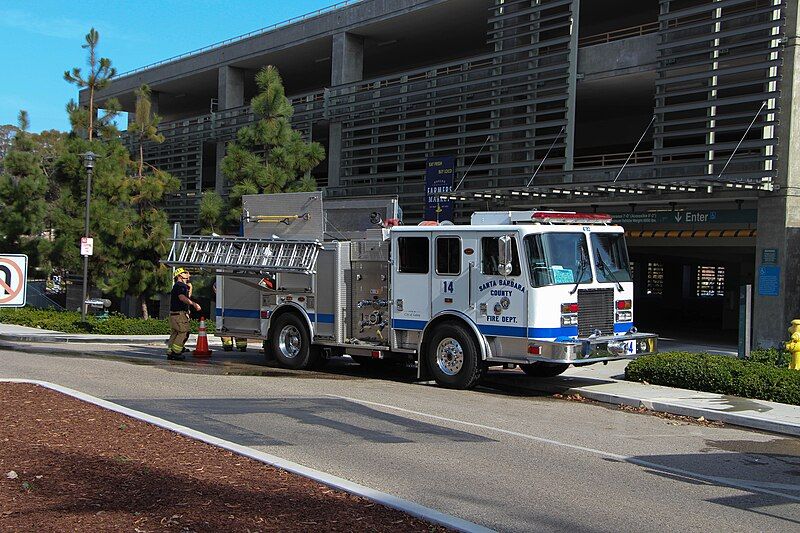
449 356
289 342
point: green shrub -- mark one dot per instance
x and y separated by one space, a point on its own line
70 322
719 374
770 356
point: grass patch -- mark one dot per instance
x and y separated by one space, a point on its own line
70 322
757 377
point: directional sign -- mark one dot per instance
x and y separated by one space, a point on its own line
13 274
689 216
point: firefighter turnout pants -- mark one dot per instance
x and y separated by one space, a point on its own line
179 331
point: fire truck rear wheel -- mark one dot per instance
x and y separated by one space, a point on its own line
453 357
291 343
541 369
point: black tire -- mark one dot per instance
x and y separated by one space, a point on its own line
290 343
540 369
453 357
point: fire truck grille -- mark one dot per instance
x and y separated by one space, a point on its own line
595 311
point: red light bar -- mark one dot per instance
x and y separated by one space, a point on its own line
571 218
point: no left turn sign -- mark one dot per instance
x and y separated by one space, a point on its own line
13 280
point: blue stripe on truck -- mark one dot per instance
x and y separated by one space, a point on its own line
237 313
322 318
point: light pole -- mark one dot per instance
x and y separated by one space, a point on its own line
88 163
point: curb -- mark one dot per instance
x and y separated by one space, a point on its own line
62 338
335 482
659 405
685 410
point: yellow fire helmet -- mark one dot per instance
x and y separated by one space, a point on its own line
179 271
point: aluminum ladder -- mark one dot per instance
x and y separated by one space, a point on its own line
243 255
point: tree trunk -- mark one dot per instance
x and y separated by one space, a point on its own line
145 314
141 158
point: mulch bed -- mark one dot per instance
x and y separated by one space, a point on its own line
67 465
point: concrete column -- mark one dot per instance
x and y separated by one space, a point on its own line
334 154
347 61
347 66
572 92
230 87
779 211
230 94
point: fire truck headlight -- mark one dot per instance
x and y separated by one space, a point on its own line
569 320
643 346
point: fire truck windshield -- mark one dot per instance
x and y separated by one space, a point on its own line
558 259
611 257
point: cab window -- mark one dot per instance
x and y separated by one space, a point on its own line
413 253
448 256
490 256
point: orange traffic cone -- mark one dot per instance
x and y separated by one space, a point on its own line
201 350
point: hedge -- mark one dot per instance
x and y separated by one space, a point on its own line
770 356
70 322
719 374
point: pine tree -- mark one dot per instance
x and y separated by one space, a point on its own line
269 156
23 186
145 241
98 78
145 126
7 133
212 209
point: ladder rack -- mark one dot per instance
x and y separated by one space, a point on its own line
243 255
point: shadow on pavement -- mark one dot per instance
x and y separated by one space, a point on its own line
285 422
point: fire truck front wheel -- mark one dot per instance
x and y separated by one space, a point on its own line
453 357
291 343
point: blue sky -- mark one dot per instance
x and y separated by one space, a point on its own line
42 39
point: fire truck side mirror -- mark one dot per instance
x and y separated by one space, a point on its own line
504 252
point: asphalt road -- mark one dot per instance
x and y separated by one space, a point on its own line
500 459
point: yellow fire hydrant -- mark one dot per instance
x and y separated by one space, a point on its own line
793 346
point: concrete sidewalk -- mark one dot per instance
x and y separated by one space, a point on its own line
14 333
603 383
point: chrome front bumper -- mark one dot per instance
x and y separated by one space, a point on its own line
593 349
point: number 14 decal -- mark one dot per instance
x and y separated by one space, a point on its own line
447 286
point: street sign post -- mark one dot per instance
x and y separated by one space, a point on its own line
13 280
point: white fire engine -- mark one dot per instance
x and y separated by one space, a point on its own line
538 289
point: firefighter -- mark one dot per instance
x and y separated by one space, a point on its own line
179 304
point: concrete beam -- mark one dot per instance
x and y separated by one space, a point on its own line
281 38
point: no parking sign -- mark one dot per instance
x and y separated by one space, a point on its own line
13 280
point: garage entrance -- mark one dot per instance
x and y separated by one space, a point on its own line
688 288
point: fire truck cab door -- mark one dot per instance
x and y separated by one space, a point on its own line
453 268
411 280
501 299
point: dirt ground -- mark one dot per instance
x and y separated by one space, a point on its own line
67 465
